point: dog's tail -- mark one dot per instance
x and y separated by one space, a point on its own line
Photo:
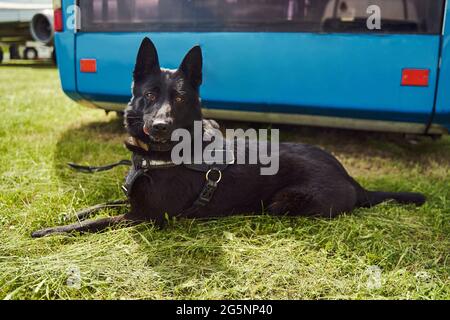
372 198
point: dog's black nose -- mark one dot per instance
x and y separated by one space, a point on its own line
160 127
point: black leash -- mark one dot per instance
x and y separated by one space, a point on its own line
91 169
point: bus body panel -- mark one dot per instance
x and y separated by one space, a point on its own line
65 56
280 72
326 74
442 115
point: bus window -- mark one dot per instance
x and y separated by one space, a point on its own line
397 16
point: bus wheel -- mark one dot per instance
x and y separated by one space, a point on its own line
1 55
30 53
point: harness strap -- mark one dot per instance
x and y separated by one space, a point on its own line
130 179
204 167
207 193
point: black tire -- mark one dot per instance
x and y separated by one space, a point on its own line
1 55
14 52
30 53
120 115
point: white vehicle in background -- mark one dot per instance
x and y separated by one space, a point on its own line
26 27
33 50
350 15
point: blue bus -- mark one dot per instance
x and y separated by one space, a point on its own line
381 65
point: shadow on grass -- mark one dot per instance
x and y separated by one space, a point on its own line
101 142
412 150
97 143
29 64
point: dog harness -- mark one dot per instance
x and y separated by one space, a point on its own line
142 165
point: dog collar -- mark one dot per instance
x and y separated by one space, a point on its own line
144 146
147 163
137 143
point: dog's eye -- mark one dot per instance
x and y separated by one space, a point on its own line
150 96
178 99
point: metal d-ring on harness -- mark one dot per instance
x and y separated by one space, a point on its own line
208 190
140 165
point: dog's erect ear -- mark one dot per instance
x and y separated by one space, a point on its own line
192 66
147 60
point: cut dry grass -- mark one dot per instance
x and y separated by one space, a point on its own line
238 257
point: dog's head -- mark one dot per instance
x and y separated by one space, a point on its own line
163 100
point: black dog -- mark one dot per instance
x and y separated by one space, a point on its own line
310 181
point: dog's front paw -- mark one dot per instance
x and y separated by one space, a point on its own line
44 232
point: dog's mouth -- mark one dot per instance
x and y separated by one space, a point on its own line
161 146
156 139
150 146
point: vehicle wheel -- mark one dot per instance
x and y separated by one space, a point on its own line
1 55
14 52
120 114
30 53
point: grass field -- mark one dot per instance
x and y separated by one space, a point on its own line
388 251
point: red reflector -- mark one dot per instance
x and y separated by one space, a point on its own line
58 20
415 77
88 65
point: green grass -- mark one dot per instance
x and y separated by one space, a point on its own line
238 257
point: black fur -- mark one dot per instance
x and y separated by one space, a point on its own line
310 181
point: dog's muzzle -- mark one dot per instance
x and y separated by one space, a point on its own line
158 131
